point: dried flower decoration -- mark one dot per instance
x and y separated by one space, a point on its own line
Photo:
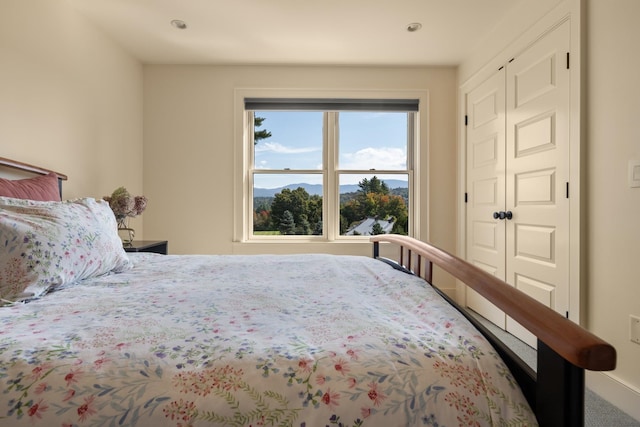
124 205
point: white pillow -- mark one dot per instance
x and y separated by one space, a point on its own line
46 244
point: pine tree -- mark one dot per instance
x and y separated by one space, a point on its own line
377 229
287 224
259 134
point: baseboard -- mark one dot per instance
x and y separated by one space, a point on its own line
450 292
615 391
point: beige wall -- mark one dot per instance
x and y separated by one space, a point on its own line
611 210
190 142
613 219
70 99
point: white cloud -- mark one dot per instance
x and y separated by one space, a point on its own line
276 147
375 158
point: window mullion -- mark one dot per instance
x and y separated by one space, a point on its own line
331 200
414 173
249 167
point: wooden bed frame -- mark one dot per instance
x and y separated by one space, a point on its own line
555 390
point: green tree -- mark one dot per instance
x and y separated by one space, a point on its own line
396 207
287 224
259 134
317 228
314 211
296 202
374 200
376 229
374 185
303 227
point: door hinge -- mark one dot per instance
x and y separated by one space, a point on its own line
567 314
466 197
568 63
567 190
466 120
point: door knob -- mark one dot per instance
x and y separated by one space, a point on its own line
502 215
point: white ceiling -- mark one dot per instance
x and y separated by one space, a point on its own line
336 32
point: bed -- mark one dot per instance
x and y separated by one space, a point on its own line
99 337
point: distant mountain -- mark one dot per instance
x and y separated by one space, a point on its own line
316 189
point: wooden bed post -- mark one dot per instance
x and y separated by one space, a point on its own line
560 390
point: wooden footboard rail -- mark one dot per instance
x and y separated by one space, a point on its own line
565 349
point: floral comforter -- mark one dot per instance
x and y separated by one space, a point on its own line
302 340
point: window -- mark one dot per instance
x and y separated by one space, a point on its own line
329 169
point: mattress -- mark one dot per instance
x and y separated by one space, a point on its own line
213 340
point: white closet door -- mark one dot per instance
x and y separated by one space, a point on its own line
518 165
486 187
537 174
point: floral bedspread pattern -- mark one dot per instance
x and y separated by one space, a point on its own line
303 340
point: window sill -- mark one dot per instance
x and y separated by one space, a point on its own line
292 246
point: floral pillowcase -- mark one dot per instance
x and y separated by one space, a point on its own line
46 244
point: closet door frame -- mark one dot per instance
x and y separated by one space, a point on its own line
569 11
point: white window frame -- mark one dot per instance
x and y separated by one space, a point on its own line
244 161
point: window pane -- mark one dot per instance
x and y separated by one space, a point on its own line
287 204
288 140
373 140
374 204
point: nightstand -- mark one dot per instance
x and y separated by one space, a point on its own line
155 246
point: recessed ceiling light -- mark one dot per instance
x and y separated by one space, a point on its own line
412 28
181 25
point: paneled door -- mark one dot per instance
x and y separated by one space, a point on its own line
530 219
486 148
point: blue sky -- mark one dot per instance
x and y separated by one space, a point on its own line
367 140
